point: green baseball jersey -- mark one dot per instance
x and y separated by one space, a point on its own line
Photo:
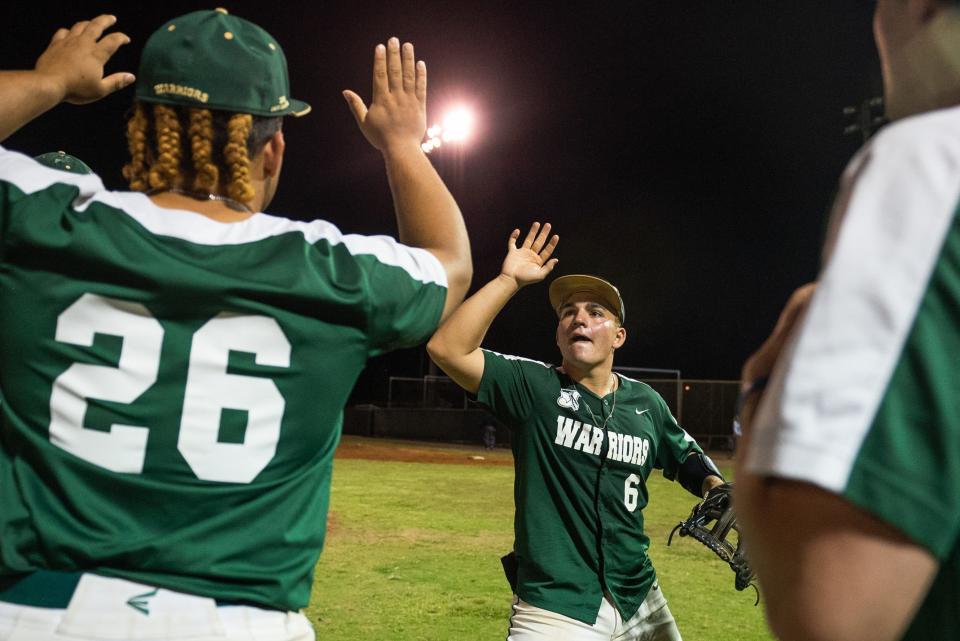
582 463
172 386
864 403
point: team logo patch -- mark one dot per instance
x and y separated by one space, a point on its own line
569 398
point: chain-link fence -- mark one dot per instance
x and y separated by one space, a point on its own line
704 408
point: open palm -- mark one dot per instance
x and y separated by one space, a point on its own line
530 262
398 111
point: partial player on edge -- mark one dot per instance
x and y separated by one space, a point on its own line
848 477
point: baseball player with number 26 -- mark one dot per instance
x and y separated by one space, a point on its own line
174 362
584 441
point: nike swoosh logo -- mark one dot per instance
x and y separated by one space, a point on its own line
639 413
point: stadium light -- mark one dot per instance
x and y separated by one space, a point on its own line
455 127
458 124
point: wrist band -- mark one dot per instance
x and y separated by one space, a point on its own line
756 385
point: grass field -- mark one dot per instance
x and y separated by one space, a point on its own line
413 553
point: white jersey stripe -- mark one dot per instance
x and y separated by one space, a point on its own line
511 357
822 402
30 177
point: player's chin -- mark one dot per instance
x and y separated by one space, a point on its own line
572 349
582 353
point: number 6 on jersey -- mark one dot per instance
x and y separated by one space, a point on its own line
631 495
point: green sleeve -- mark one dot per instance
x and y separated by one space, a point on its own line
506 387
674 445
907 471
25 184
403 311
395 293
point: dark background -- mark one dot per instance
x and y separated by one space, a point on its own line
688 151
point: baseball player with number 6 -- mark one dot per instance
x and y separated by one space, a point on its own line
585 439
174 362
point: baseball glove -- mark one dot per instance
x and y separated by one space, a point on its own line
711 522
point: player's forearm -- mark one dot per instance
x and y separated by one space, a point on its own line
428 217
750 500
828 570
467 326
24 95
749 496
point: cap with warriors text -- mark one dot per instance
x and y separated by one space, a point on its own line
218 61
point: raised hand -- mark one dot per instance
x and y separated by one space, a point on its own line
75 59
397 115
530 262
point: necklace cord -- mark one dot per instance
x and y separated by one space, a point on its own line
196 195
613 407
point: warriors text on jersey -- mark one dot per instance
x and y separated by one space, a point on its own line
173 386
866 406
581 468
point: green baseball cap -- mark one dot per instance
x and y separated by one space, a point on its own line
64 161
214 60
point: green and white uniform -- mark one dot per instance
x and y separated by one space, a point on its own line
173 386
865 405
581 468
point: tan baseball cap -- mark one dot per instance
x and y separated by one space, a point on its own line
609 296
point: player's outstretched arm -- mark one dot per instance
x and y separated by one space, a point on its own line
394 122
455 348
828 570
70 70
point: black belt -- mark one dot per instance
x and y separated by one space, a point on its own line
52 589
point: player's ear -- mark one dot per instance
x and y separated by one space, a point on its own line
621 337
273 155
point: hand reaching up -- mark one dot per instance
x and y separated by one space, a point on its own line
397 114
75 59
530 262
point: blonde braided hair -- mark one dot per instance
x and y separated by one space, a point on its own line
238 159
206 174
165 170
160 166
135 171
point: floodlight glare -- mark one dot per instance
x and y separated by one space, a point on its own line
458 124
456 127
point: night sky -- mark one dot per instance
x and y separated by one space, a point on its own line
687 151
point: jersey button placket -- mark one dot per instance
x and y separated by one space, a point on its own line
602 515
607 512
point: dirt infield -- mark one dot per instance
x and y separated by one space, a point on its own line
376 449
